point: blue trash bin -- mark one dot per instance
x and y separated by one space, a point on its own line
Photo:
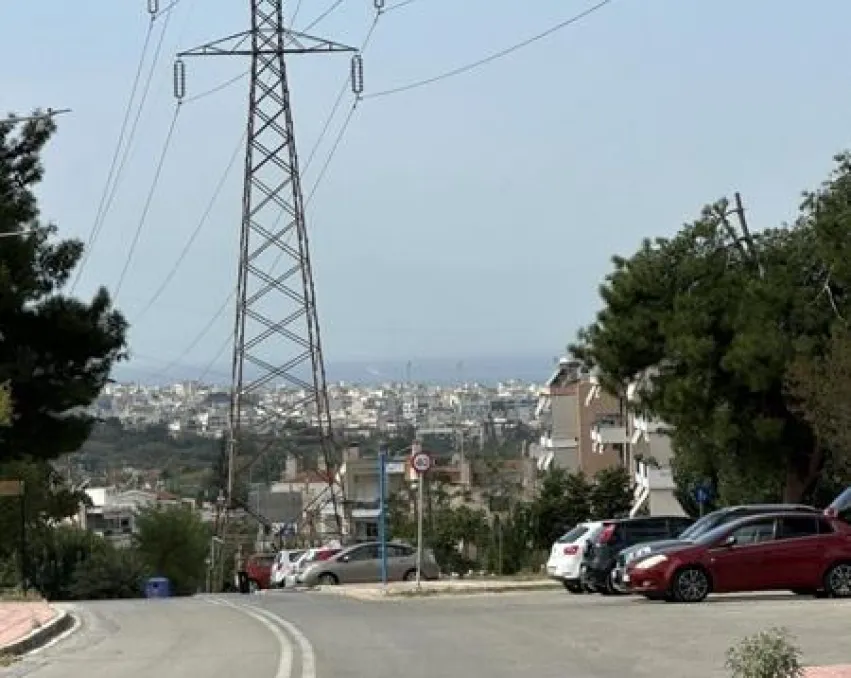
157 587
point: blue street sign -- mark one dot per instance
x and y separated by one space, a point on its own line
703 493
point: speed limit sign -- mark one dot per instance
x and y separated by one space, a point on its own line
421 462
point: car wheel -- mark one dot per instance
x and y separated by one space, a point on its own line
837 581
410 575
608 588
327 579
691 585
573 587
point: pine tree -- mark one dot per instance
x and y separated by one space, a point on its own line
56 352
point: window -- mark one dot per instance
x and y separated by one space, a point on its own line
399 551
369 552
824 527
645 530
709 522
754 533
573 535
803 526
677 526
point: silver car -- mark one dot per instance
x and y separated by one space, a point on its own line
361 564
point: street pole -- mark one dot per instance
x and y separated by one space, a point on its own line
421 463
420 486
382 512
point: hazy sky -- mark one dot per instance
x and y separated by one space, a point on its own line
476 216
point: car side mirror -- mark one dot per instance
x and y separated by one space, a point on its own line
729 541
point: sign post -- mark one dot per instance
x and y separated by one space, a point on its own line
421 463
382 512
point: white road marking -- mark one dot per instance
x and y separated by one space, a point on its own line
308 658
285 665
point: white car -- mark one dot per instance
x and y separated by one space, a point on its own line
309 557
565 561
283 566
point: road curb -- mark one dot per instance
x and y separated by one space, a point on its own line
446 591
40 636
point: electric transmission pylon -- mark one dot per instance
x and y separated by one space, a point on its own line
276 329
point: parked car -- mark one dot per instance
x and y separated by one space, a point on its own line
283 565
259 570
608 540
705 524
311 556
807 554
360 564
565 561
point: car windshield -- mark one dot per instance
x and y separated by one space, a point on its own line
573 535
708 522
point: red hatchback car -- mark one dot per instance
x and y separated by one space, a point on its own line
770 552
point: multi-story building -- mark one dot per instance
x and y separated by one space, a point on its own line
571 411
644 446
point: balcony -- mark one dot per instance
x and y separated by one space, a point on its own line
609 431
647 426
654 491
548 442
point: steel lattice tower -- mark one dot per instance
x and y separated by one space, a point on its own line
276 329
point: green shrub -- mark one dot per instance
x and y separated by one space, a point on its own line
55 555
767 654
174 543
109 574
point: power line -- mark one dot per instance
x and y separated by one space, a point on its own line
334 5
492 57
193 237
119 172
330 157
116 153
340 95
149 200
217 88
295 12
398 5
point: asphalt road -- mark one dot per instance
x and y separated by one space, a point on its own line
314 635
179 638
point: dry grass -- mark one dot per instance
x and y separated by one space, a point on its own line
18 595
7 659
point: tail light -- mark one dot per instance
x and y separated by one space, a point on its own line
571 550
607 534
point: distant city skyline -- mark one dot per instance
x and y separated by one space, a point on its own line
439 371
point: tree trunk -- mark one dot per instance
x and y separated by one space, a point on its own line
801 477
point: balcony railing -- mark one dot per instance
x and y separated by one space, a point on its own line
609 430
